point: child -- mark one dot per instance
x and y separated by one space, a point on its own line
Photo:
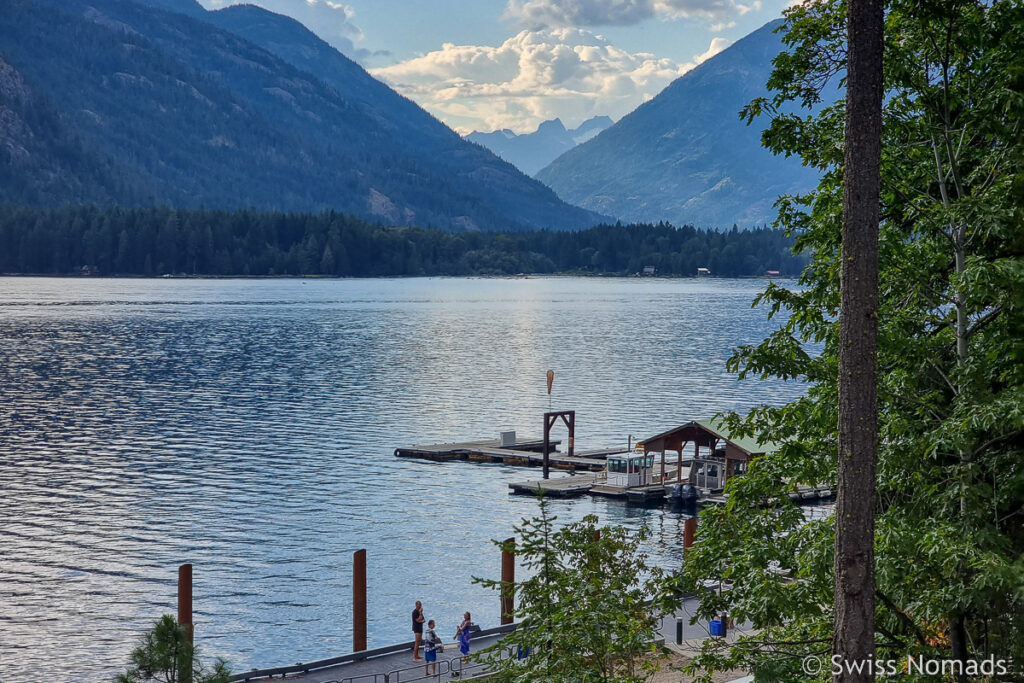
431 644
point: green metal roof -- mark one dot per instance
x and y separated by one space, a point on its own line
750 445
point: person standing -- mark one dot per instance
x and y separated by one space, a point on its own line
431 645
417 630
462 634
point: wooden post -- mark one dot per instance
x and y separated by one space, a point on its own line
570 422
185 614
547 442
185 599
662 463
679 463
359 601
592 562
508 580
689 533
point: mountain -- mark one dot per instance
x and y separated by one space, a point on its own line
685 156
41 160
168 107
189 7
530 152
295 44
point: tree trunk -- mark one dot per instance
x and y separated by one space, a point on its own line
958 643
854 638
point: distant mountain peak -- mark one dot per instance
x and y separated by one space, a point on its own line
552 126
685 156
530 152
600 122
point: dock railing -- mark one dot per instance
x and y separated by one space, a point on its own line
306 667
458 668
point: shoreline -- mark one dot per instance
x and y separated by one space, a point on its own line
518 276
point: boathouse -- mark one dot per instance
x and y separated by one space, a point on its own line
710 451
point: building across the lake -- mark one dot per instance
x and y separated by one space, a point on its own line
703 272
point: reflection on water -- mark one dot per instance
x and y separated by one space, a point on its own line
248 427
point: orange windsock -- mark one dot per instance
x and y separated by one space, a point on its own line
551 379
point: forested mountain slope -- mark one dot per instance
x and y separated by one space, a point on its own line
42 161
686 156
189 114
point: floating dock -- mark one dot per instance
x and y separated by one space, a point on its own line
562 487
588 470
520 452
595 484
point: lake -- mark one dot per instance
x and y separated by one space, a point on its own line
248 426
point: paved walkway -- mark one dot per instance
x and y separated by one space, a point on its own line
399 667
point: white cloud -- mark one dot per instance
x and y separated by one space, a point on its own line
536 14
534 76
717 45
332 21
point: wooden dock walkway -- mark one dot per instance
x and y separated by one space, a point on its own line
594 484
803 494
634 494
562 487
524 453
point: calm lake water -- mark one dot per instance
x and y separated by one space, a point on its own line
248 427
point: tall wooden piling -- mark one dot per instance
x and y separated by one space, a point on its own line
185 599
185 614
508 580
359 601
689 532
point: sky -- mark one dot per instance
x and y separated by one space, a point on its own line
493 64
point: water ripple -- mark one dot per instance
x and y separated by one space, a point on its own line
247 427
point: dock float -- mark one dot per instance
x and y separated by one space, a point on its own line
804 494
562 487
518 452
595 484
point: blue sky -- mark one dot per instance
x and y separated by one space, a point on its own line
489 64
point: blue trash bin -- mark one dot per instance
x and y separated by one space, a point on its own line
715 626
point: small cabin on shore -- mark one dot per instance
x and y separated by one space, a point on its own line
707 446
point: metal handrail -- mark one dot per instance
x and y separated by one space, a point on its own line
351 657
444 666
457 671
365 678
